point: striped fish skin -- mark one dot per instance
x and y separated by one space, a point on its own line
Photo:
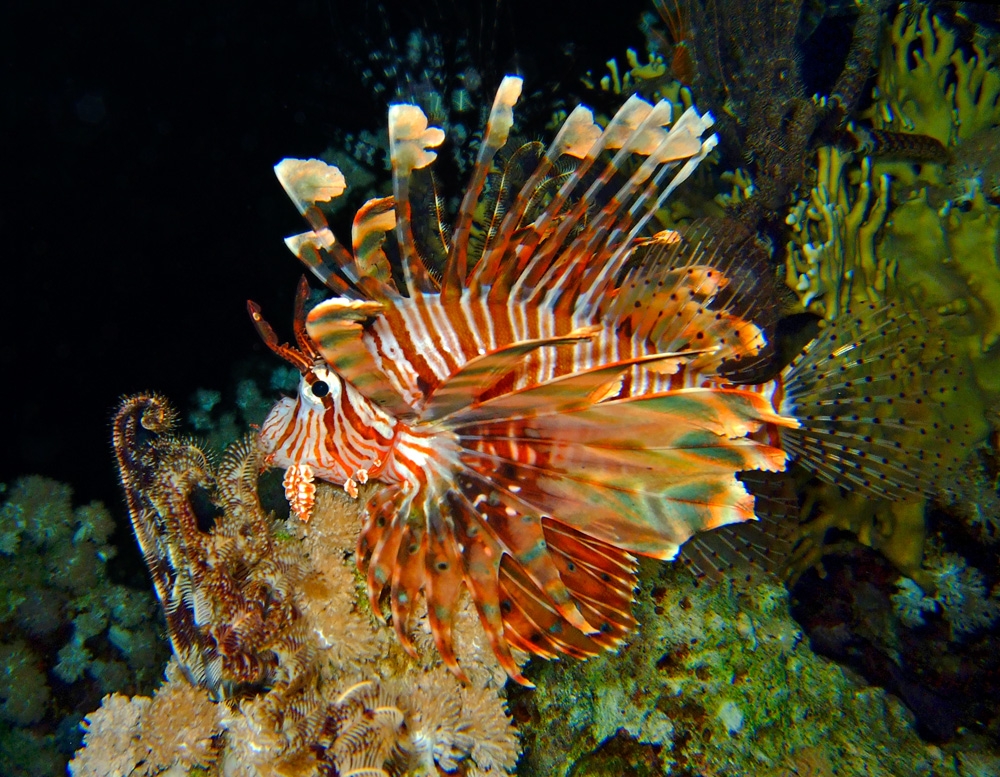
545 395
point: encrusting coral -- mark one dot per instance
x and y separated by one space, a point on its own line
278 669
718 681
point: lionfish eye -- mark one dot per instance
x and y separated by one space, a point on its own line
320 389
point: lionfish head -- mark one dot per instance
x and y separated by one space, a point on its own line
292 429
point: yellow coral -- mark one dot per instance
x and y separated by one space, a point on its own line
832 262
651 79
896 529
916 99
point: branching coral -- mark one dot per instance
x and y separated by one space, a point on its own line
947 256
948 265
928 86
853 242
832 261
295 677
895 529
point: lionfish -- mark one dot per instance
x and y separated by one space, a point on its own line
546 390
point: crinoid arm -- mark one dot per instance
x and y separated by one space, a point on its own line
198 527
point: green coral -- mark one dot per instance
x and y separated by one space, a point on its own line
832 262
854 240
718 681
928 86
68 634
948 265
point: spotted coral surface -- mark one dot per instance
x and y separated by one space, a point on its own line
720 681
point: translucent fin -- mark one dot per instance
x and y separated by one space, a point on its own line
443 587
407 580
307 183
497 128
516 527
873 394
683 293
410 144
573 391
642 474
753 547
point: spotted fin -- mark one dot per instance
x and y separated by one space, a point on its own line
883 406
761 546
601 579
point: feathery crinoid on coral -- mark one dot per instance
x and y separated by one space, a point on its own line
221 577
278 670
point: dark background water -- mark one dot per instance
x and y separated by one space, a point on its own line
140 210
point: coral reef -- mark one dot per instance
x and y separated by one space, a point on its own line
68 634
929 83
720 682
278 668
938 238
222 418
931 239
945 671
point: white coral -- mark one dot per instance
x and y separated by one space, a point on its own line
961 597
112 746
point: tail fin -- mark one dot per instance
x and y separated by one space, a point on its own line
884 407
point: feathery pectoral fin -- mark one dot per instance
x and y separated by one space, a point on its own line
885 405
643 474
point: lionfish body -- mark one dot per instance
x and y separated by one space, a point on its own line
547 394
